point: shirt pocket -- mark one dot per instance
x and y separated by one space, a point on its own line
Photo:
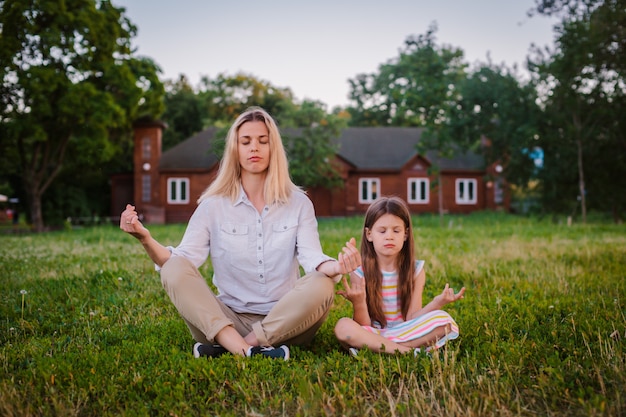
233 238
284 235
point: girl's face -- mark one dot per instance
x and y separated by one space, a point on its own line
253 147
387 235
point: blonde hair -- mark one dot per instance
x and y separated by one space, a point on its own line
278 185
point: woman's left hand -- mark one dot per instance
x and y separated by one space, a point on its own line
349 258
347 261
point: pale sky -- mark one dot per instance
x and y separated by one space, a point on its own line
315 47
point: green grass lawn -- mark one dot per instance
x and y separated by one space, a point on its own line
87 330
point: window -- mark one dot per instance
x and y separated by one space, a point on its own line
178 190
369 189
146 148
498 192
418 190
146 188
465 191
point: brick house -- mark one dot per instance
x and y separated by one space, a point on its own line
371 161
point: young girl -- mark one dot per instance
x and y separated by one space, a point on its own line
386 291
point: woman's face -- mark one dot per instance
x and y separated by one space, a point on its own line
253 147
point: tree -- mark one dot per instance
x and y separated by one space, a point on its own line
311 146
412 90
70 87
416 89
496 115
185 112
585 85
226 97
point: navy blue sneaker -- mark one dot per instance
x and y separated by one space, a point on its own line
269 351
209 351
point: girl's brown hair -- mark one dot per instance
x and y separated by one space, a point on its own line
405 260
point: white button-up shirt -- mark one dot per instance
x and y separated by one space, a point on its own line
255 256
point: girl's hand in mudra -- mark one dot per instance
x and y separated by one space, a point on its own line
448 296
353 291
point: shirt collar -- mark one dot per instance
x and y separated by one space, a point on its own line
243 197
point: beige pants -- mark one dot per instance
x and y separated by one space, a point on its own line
294 320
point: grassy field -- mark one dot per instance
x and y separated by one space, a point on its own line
87 330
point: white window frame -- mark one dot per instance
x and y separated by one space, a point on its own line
462 187
178 184
419 198
372 192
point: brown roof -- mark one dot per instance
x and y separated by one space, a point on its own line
390 148
367 148
379 147
462 162
193 153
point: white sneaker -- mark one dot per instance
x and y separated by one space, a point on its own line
418 351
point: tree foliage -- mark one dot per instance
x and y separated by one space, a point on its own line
496 115
583 133
430 86
184 112
309 131
313 147
71 88
412 90
228 96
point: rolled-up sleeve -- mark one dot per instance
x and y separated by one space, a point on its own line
195 245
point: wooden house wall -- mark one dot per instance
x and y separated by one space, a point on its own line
198 182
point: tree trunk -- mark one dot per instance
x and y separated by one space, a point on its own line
581 181
36 214
578 128
439 189
617 217
440 197
40 166
34 205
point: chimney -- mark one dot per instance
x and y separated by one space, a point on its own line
148 135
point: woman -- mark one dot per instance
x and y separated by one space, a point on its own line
259 228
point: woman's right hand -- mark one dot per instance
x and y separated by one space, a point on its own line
129 222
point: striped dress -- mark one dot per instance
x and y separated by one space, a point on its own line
397 329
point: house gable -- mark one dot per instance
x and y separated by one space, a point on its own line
417 164
378 148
